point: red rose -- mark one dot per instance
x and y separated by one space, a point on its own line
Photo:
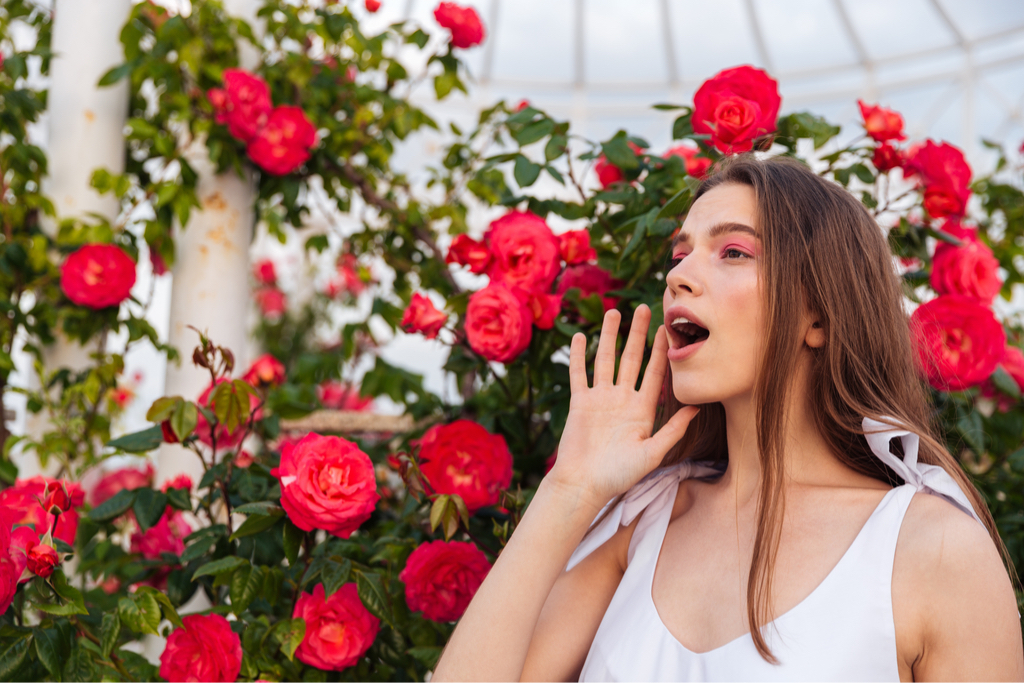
499 325
265 371
466 251
57 499
326 483
574 246
205 649
526 252
23 503
9 572
970 270
338 396
339 629
348 271
243 459
464 23
736 106
959 342
696 166
464 458
944 175
886 158
607 172
372 6
283 144
98 276
589 279
225 439
271 301
130 478
245 106
166 536
544 308
442 577
1013 363
157 262
42 559
265 272
421 316
23 539
880 123
523 104
181 481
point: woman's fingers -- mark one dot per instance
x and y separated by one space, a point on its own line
604 362
578 363
633 354
657 446
650 388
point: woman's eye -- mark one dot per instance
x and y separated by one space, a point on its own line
735 253
673 261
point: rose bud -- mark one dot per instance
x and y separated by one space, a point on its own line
266 371
168 432
42 559
56 499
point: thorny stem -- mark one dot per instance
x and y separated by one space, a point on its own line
115 660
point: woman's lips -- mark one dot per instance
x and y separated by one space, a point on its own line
684 352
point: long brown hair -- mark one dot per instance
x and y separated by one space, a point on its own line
820 249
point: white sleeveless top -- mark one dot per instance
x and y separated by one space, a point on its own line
842 631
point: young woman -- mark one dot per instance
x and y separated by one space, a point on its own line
765 531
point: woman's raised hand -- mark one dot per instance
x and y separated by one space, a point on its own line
607 445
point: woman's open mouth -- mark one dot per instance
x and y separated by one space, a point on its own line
685 337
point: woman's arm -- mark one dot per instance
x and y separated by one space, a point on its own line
953 604
606 447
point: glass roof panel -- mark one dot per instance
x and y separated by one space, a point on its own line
889 29
623 42
801 35
533 41
710 36
983 17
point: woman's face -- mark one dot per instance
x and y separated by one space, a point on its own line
713 312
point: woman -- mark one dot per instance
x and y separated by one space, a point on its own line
779 538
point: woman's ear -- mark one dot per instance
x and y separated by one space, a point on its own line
815 337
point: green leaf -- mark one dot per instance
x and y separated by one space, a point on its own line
149 507
117 73
289 632
184 419
110 631
427 655
374 596
179 499
803 125
79 666
53 645
13 649
556 147
263 507
170 613
66 609
525 171
675 206
638 235
618 152
162 408
334 575
114 506
534 132
244 587
255 524
140 612
217 567
1005 383
139 442
973 431
68 593
293 536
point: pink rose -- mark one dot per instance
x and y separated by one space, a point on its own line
97 276
499 324
166 536
466 251
442 577
265 371
465 459
271 301
339 396
339 629
326 483
244 104
206 649
971 270
421 316
282 145
574 246
736 106
526 252
265 272
959 342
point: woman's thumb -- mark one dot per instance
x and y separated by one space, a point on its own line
671 432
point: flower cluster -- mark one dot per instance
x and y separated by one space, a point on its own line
278 139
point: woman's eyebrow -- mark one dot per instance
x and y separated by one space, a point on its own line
717 230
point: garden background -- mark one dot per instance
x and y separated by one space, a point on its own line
289 287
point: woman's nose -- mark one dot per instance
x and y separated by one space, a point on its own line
685 277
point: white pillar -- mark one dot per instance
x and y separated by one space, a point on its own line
85 133
210 286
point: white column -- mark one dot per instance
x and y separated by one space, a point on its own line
210 288
85 133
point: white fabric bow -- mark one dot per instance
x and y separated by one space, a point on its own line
930 478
